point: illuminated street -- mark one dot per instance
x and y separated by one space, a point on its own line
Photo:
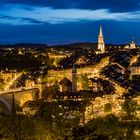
12 82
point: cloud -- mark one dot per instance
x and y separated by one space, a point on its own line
18 21
114 5
22 14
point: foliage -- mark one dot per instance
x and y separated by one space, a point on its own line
84 82
130 119
100 128
58 120
26 62
16 127
107 107
129 107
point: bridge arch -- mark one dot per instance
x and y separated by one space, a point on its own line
26 97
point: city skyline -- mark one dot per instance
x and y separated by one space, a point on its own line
63 22
69 70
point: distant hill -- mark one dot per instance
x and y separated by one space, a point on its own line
77 45
24 45
85 45
41 46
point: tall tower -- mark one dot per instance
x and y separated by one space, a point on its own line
132 45
74 78
101 44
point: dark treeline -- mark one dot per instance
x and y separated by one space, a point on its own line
21 62
65 121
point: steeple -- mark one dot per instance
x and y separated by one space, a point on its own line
101 33
101 44
74 78
74 68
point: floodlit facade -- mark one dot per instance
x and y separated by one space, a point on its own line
132 45
135 70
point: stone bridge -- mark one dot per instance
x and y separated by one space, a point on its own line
17 97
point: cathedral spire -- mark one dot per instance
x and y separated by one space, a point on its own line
101 44
101 32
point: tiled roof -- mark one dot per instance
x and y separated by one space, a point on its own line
65 81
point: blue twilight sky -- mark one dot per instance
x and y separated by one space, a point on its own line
68 21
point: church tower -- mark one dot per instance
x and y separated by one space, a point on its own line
74 78
101 44
132 45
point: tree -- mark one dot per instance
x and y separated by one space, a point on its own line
108 108
129 107
57 118
101 128
17 127
84 82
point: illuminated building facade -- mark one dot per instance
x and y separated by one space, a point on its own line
132 45
135 70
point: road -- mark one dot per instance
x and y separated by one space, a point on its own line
91 71
11 83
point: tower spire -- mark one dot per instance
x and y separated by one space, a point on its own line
73 67
101 44
74 77
101 32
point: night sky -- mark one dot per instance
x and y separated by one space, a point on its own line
69 21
